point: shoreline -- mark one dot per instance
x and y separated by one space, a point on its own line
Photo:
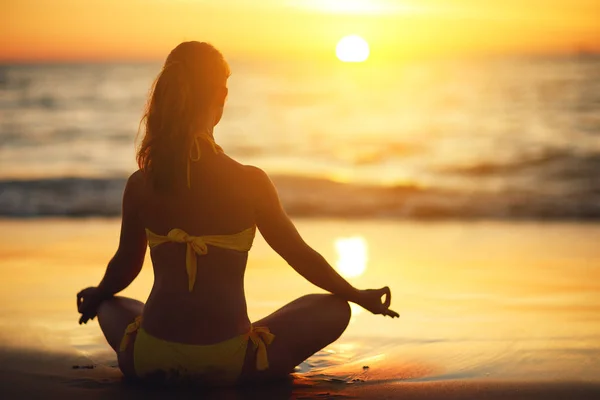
38 386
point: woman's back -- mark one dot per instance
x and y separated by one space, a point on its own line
220 201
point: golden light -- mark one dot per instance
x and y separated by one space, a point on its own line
345 6
352 256
362 7
352 48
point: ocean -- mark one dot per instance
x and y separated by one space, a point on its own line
497 138
471 188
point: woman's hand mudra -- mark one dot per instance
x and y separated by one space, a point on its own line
370 299
88 301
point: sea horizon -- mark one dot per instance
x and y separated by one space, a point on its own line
492 138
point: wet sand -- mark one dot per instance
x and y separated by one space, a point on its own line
28 386
488 310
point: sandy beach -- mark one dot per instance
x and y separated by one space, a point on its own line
488 310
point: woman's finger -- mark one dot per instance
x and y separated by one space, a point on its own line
83 306
388 297
79 301
81 295
86 316
384 291
391 313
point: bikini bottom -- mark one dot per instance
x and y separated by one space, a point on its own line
214 364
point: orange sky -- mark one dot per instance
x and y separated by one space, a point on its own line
148 29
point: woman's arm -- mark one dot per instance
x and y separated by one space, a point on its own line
127 262
281 234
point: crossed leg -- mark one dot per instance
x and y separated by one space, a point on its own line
114 315
301 328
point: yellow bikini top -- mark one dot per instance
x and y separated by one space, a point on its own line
215 147
241 241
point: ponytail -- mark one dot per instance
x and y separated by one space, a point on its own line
178 105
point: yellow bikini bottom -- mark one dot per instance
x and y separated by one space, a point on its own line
172 362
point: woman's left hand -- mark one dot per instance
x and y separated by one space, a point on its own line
370 300
88 301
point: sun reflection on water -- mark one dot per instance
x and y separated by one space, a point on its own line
352 256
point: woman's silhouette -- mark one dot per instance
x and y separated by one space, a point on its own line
197 209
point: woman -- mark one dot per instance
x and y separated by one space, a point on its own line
198 210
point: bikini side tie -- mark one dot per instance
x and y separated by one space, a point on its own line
261 336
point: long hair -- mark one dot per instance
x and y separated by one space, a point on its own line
178 107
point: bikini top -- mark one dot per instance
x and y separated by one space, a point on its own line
197 245
214 146
241 241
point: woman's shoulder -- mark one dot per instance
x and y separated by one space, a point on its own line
254 171
136 184
258 177
136 179
250 173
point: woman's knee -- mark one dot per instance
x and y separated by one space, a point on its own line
341 312
335 310
114 315
108 306
105 307
120 303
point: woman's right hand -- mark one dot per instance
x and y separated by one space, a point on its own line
370 299
88 301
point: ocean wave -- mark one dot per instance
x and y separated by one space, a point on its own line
72 197
562 163
312 197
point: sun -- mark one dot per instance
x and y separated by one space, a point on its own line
352 256
352 48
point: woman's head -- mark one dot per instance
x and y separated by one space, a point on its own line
186 100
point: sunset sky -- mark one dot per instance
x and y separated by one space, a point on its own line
32 30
